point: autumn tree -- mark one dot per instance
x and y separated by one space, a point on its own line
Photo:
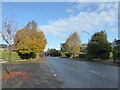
99 47
72 44
34 41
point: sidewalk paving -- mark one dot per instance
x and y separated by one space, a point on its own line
39 76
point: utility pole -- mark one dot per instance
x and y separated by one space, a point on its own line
88 35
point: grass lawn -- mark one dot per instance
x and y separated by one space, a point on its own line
5 55
82 53
16 59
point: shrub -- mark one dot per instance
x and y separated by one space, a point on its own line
67 54
62 54
118 55
82 55
27 56
53 52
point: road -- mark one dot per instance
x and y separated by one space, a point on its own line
79 74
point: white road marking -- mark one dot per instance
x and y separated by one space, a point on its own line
98 73
55 75
51 70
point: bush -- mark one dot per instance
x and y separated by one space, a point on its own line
82 55
53 52
117 55
62 54
105 56
27 56
67 54
72 55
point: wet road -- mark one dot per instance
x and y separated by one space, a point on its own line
79 74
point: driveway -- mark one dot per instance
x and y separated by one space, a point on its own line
80 74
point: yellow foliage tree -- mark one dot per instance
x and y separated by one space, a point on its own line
29 41
72 44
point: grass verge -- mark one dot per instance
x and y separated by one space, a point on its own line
5 55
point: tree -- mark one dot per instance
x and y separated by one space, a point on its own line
99 47
34 41
72 44
53 52
31 25
9 29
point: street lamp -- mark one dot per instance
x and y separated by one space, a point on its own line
88 35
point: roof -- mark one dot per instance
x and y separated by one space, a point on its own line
117 41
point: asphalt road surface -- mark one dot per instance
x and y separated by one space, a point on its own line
79 74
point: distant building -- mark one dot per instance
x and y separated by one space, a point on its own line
116 44
84 45
83 48
3 47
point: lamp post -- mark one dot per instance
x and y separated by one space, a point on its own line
88 35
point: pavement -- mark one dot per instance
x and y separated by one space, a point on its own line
38 76
81 74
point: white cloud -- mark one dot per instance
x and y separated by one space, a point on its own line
85 19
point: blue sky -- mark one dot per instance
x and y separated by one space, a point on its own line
58 20
42 13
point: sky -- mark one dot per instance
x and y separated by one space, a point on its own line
58 20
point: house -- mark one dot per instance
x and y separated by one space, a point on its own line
3 47
116 45
83 48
